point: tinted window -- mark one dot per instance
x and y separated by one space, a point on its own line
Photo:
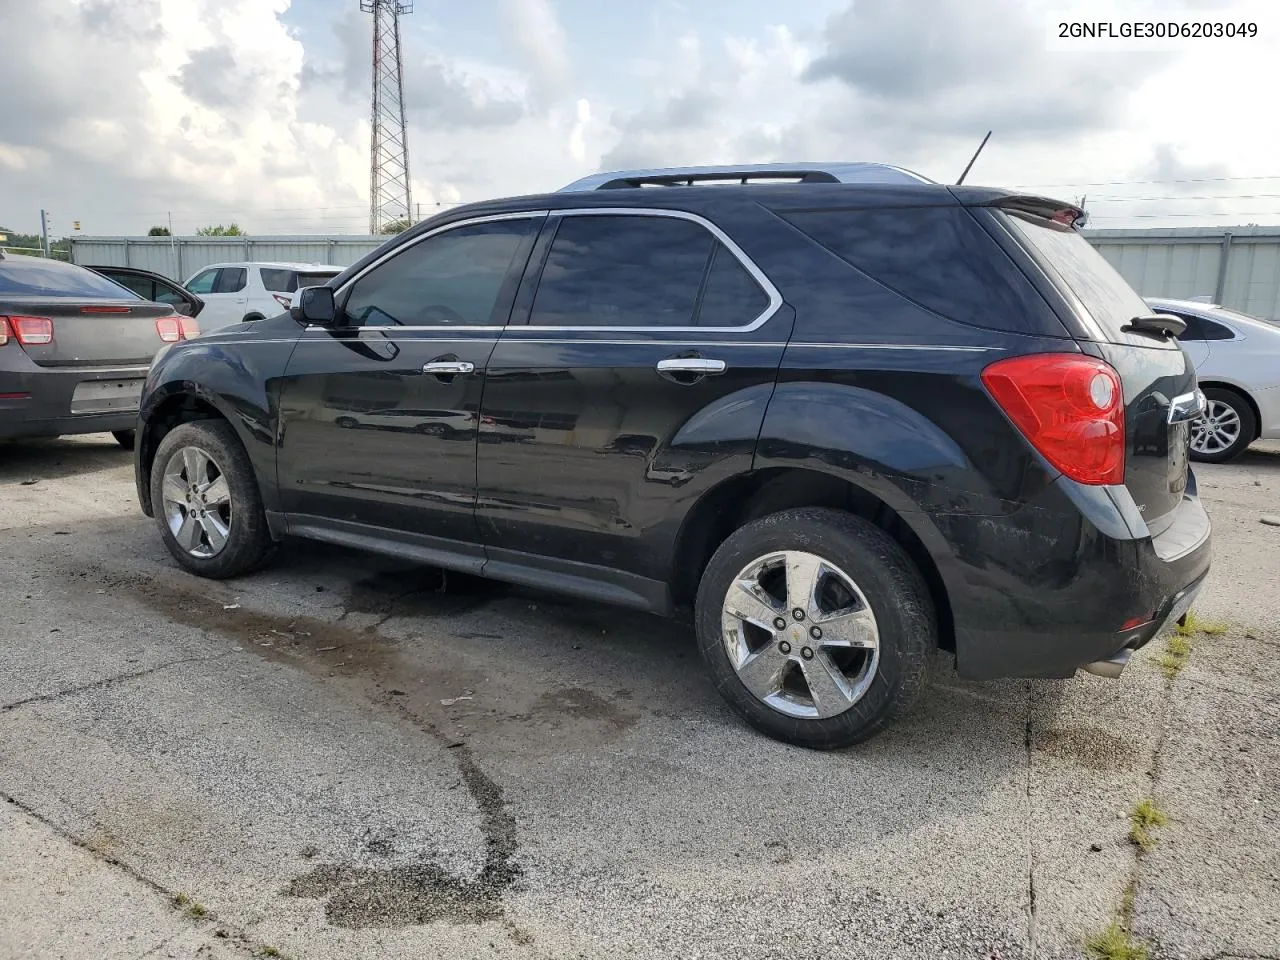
203 282
279 281
142 286
1195 326
1216 331
36 277
622 271
1105 294
230 280
169 295
452 278
303 279
731 298
938 257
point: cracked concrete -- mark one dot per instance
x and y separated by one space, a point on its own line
344 757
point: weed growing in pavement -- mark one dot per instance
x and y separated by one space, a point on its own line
1194 625
268 951
1144 817
1115 943
1177 650
193 909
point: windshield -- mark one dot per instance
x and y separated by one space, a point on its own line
33 277
1106 295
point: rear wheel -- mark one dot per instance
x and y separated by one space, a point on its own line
207 502
250 317
815 625
126 438
1228 427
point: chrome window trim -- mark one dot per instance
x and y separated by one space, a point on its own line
775 298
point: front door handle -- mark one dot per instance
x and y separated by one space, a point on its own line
449 367
698 366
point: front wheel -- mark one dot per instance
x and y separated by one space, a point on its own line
207 502
816 626
1227 428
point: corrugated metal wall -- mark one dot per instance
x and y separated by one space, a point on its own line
179 258
1237 266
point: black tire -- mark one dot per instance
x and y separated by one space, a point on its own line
1248 426
251 317
249 544
893 589
126 438
346 423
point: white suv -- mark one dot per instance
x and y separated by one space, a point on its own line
235 292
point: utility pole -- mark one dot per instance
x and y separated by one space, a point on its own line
389 198
44 232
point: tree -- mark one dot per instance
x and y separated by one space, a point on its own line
158 232
396 226
230 230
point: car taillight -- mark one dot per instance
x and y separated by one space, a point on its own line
284 301
1069 406
28 331
177 327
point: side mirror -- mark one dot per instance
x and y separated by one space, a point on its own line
314 305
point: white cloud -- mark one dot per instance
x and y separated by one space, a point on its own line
535 36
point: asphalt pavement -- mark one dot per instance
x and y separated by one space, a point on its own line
344 756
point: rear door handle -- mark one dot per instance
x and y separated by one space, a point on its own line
699 366
449 367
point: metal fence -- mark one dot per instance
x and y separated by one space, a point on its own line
1235 266
179 258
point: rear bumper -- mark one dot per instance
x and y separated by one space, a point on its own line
40 401
1090 591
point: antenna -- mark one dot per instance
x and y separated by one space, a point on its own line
389 199
973 158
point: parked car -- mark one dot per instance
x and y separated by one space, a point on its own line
154 287
1237 360
886 415
74 349
236 292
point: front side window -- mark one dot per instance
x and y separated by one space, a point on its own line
203 282
622 271
455 278
142 286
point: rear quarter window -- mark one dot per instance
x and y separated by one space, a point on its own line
279 281
938 257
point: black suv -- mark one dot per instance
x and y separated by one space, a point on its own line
843 415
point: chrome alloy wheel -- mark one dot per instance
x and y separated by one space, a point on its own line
1219 429
197 502
800 634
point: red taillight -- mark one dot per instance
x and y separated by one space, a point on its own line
169 328
176 327
1071 409
284 301
28 331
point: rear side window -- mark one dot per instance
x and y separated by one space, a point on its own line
36 277
142 286
279 281
1104 293
938 257
230 280
643 271
731 298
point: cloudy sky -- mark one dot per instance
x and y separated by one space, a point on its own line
117 112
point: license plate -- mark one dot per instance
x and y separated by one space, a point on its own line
106 396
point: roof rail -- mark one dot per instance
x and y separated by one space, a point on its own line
840 172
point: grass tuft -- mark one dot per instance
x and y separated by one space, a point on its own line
269 951
1145 817
1115 943
1177 650
1195 624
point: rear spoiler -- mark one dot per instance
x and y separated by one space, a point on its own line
1045 208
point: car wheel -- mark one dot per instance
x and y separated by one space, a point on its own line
816 626
1227 428
250 317
207 502
347 423
431 429
126 438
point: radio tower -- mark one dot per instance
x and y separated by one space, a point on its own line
389 163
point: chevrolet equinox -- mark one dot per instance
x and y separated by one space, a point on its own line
840 414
